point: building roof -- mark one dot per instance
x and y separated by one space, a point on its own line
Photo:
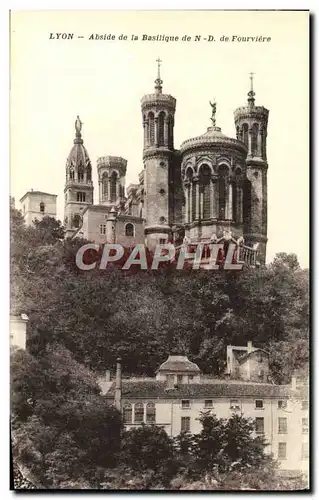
178 364
38 193
158 390
213 136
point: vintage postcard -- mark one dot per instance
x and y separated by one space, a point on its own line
159 250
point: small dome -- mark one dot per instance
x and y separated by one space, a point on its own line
78 156
213 136
178 364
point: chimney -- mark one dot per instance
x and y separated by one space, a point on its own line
107 376
249 347
118 386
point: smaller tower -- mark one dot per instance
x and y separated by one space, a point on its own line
111 226
251 124
111 173
159 158
78 190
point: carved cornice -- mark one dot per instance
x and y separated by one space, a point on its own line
109 162
209 144
157 152
160 100
157 228
247 112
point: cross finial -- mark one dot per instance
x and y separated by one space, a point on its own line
158 81
251 93
251 76
159 61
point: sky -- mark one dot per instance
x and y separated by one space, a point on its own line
54 80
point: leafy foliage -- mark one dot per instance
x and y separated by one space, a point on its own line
142 316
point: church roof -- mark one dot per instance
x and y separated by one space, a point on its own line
159 390
78 155
178 364
213 136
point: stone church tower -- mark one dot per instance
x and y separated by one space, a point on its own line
78 190
160 164
251 128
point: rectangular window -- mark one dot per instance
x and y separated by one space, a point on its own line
304 451
304 425
304 405
259 422
139 413
282 451
282 425
259 403
179 379
186 403
190 378
282 404
208 403
162 241
185 424
102 228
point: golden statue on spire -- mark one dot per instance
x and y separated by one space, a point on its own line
213 117
78 125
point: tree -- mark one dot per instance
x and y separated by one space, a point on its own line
57 412
149 449
227 445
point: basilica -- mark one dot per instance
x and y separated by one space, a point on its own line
212 188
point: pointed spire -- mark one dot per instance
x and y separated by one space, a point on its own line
78 127
158 81
251 93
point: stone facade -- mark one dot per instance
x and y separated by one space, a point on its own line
211 186
36 205
178 394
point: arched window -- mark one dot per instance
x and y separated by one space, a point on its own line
204 179
150 413
88 173
80 174
113 186
42 207
151 128
129 229
193 208
170 122
139 413
245 134
105 186
161 122
72 174
76 220
222 191
189 178
254 135
127 413
80 197
238 133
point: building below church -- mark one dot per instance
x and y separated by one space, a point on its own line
212 186
176 396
